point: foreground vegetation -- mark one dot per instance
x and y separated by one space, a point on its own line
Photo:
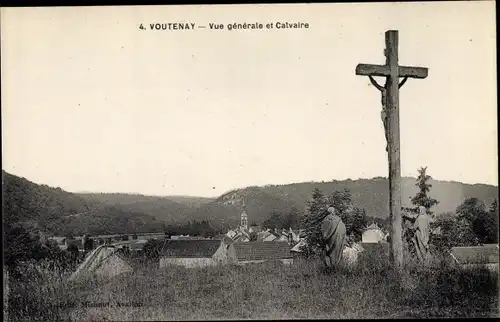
304 289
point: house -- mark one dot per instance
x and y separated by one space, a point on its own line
270 237
267 236
196 253
261 235
231 233
57 240
476 256
135 245
293 235
241 237
288 236
283 238
298 247
104 262
227 240
66 242
258 252
372 234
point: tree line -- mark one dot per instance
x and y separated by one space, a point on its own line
193 228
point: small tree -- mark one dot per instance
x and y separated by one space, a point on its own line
316 212
475 218
253 236
357 223
89 244
73 251
342 201
422 198
464 235
470 209
353 218
447 238
152 249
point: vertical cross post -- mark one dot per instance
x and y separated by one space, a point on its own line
390 99
391 44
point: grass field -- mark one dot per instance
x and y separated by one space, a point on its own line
304 289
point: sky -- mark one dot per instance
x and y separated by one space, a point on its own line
90 102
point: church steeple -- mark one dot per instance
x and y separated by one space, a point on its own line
244 217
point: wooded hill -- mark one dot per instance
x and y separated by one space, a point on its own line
57 212
369 194
60 212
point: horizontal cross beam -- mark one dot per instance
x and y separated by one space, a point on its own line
384 71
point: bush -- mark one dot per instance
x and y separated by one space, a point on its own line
152 249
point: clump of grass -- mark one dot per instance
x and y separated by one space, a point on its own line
38 292
305 289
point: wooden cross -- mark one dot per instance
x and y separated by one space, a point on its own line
390 116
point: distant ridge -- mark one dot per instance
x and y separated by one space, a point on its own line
56 210
369 194
261 201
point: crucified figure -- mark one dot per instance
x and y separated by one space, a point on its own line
384 114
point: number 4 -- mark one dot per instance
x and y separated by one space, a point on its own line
141 26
